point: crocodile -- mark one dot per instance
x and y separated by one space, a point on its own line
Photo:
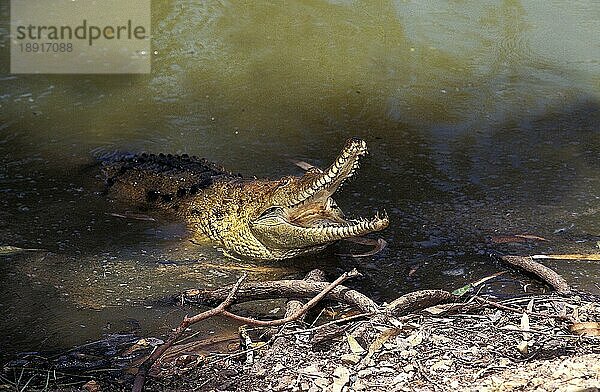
254 218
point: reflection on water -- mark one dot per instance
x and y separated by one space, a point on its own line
482 118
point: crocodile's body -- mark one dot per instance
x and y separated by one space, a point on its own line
258 218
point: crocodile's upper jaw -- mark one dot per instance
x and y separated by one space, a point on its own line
302 217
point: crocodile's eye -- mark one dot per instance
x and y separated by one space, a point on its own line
271 211
270 217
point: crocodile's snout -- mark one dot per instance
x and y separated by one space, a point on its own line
309 218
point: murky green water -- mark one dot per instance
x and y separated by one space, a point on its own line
482 118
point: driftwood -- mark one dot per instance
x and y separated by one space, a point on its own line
541 271
418 300
144 368
314 287
282 289
293 305
305 308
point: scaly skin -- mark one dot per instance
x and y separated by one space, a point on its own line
260 219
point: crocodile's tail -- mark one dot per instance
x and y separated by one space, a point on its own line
162 179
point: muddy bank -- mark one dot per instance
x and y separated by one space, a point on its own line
481 348
542 342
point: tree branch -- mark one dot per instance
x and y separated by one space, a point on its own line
144 368
283 289
418 300
299 312
541 271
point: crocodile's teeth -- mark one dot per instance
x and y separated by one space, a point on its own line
342 168
352 228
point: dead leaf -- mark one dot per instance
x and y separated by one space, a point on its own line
91 386
280 367
442 308
530 306
442 365
574 256
525 322
341 377
350 359
380 340
415 339
303 165
355 347
322 382
531 237
525 326
587 328
311 371
506 239
523 347
139 345
7 250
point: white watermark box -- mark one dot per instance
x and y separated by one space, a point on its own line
80 36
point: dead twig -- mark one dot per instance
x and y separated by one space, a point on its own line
518 310
299 312
293 305
144 368
576 256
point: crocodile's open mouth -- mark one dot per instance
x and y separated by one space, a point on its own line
310 216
